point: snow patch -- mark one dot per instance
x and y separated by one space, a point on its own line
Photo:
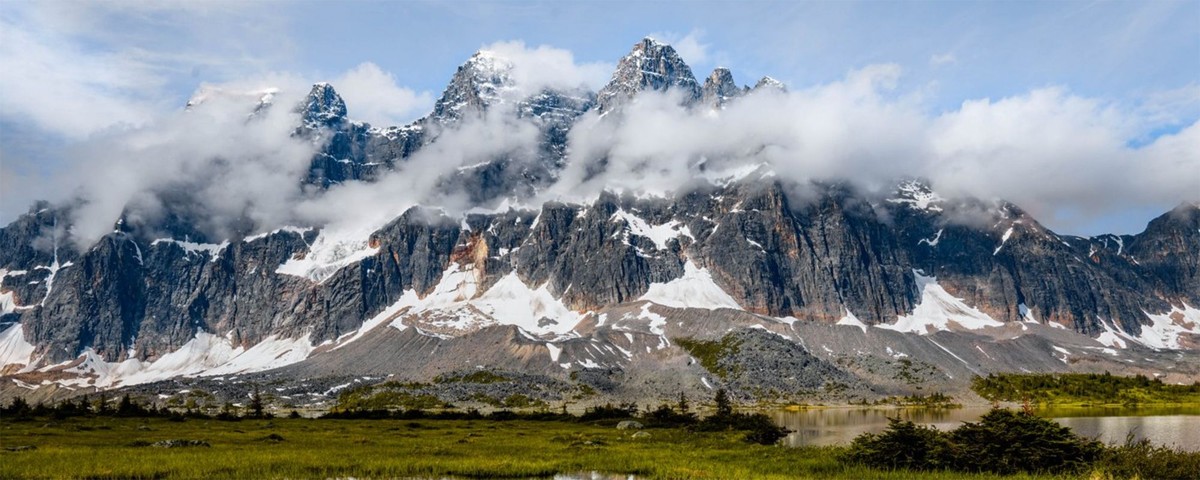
1003 240
408 299
1026 314
933 243
1164 329
14 349
204 355
213 250
695 289
937 310
659 234
852 321
331 251
509 302
657 322
555 351
918 197
1112 337
296 230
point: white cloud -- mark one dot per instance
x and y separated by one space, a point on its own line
372 95
689 47
1063 157
547 67
217 164
363 207
77 68
65 90
941 59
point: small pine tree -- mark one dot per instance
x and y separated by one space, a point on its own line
18 408
102 405
256 403
126 407
683 403
724 406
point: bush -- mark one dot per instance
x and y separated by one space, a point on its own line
903 445
1003 441
1006 442
610 412
665 417
1140 459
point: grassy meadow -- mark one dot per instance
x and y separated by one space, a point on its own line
96 448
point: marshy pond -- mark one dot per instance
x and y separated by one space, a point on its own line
1170 426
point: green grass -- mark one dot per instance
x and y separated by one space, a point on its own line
106 448
1084 389
710 353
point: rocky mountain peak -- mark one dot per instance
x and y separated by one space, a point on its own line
651 65
770 84
478 84
719 88
323 106
917 193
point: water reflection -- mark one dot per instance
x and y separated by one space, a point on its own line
838 426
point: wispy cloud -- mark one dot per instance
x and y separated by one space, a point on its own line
941 59
690 46
76 68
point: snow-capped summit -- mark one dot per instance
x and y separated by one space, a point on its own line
770 84
323 106
478 84
918 195
651 65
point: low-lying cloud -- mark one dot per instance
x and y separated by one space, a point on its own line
1066 158
374 97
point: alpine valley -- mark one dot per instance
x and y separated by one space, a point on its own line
740 278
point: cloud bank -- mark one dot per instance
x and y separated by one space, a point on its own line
1066 158
374 97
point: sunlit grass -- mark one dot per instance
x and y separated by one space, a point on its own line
105 448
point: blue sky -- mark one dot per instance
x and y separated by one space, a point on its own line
77 70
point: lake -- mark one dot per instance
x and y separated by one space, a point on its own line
1172 426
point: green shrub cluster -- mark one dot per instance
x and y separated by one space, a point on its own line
1003 441
710 353
1141 459
1090 388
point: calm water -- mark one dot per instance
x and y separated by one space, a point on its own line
1169 426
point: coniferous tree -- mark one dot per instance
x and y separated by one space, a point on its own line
724 406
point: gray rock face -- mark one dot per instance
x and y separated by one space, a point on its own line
651 65
719 88
323 106
126 297
475 87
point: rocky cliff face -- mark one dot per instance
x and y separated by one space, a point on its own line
719 88
820 261
653 66
583 285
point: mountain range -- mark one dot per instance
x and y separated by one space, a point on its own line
739 279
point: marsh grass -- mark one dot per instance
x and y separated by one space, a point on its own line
101 448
